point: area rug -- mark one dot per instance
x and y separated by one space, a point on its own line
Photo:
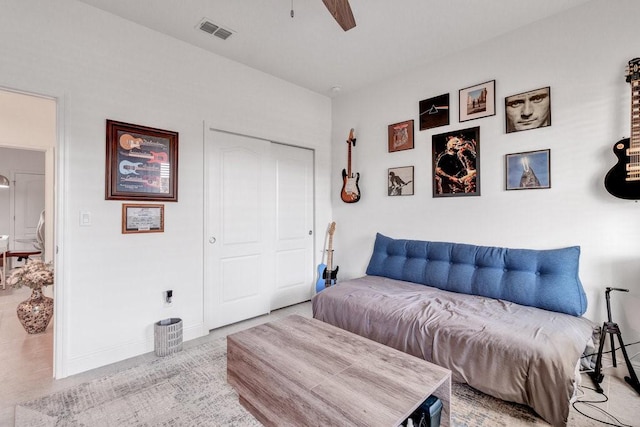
190 388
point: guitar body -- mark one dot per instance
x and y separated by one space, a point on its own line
623 180
350 191
330 277
616 181
320 282
126 167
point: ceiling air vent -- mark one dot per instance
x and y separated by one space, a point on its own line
210 28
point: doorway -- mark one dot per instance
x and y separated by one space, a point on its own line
28 130
259 225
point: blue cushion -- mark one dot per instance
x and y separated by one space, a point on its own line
546 279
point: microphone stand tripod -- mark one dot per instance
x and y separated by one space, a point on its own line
612 329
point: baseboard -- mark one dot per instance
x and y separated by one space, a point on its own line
118 353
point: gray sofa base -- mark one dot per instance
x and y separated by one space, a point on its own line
516 353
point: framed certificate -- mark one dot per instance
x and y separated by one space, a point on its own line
142 218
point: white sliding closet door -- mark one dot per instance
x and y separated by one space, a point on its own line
259 212
294 225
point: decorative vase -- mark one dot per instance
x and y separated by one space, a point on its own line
35 313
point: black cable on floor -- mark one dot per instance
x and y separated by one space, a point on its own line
591 404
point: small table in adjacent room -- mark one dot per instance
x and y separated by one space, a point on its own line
5 257
299 371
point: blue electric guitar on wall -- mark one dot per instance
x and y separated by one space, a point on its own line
327 276
623 180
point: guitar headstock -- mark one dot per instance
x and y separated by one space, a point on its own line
332 228
352 139
633 70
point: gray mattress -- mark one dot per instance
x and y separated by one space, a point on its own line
516 353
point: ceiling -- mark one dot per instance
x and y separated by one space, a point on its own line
312 51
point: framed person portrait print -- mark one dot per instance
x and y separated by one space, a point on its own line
434 112
528 110
528 170
456 163
400 181
142 163
478 101
401 136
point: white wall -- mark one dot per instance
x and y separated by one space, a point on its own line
581 54
101 67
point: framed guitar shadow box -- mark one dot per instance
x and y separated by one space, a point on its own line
141 163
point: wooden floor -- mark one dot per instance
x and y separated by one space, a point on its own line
26 362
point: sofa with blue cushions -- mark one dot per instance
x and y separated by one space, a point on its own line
508 322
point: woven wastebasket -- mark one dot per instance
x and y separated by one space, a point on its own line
167 336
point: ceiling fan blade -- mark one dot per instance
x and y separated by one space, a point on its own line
341 12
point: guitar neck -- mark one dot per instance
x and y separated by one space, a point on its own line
349 160
635 115
330 254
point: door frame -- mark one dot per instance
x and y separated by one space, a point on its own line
54 226
207 295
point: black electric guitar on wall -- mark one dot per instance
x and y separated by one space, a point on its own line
623 180
350 191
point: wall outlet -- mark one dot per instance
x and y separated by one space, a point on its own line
168 298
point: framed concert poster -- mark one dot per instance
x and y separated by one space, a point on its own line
478 101
529 170
400 181
456 163
141 163
142 218
434 112
401 136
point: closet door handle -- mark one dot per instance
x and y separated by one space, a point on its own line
212 240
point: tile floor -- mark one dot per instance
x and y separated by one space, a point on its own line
26 365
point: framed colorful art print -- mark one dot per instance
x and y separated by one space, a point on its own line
456 163
434 112
478 101
529 170
401 136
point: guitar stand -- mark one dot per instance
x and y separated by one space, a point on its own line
612 329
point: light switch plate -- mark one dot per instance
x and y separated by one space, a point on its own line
85 218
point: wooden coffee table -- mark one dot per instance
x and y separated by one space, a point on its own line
299 371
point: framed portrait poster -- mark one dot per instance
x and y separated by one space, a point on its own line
456 163
400 181
434 112
529 170
142 163
528 110
401 136
478 101
142 218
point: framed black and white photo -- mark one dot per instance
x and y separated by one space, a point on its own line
478 101
528 170
528 110
400 181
